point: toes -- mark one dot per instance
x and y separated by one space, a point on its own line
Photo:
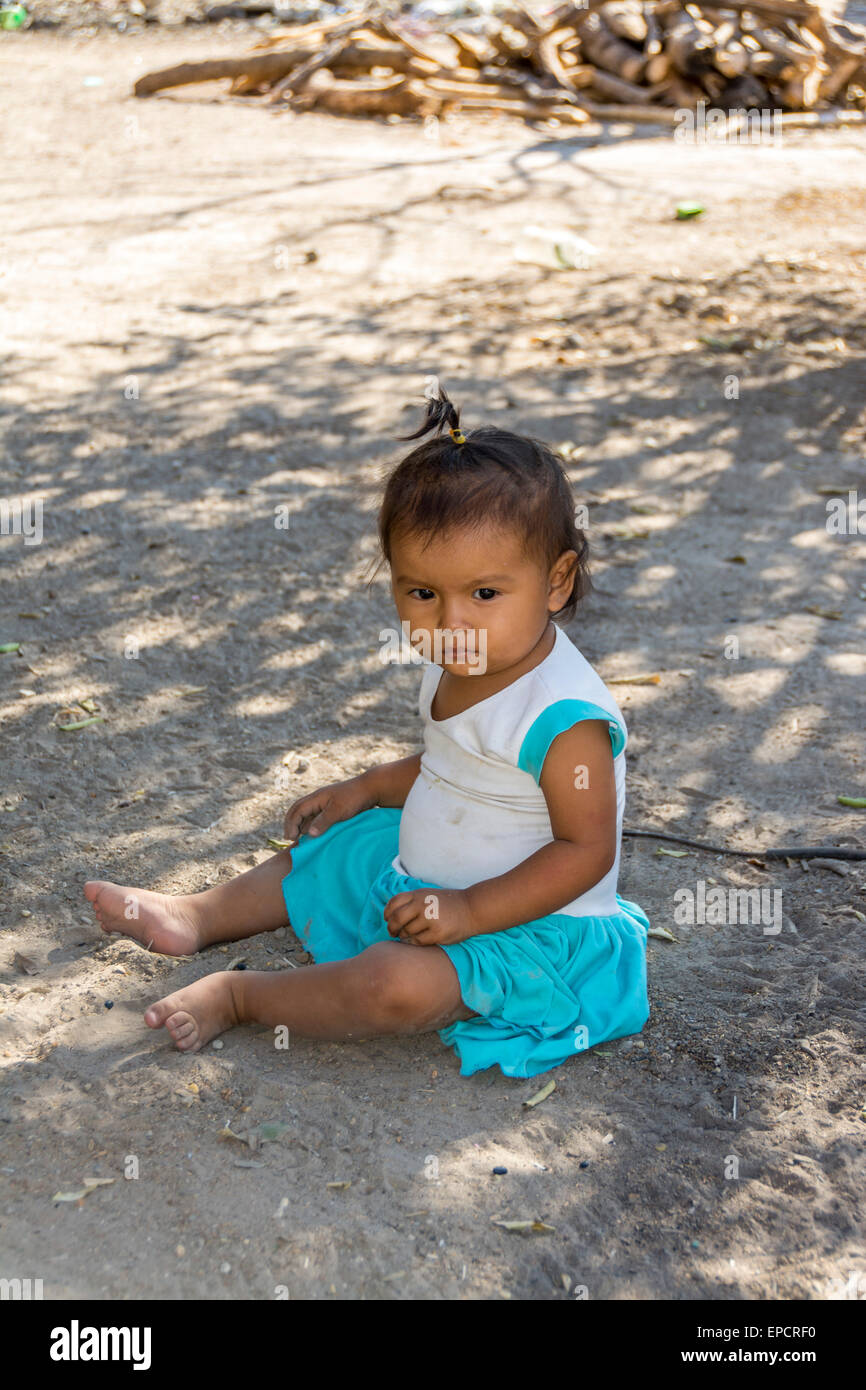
92 889
159 1012
180 1026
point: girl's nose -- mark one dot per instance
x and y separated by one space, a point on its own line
453 621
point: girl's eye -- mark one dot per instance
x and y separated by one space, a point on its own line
486 593
421 593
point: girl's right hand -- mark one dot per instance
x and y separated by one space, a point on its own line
313 813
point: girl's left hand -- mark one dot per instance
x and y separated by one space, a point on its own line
430 917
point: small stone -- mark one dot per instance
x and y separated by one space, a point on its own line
180 1251
25 912
584 1163
500 1170
217 1043
225 1267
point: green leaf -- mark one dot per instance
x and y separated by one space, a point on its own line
10 647
81 723
857 801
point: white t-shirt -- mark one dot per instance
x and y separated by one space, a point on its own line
476 809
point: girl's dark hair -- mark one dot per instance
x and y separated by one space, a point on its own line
492 476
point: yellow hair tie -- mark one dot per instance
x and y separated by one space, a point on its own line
458 436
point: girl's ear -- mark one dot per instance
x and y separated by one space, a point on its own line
561 580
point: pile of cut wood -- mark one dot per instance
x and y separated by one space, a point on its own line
633 60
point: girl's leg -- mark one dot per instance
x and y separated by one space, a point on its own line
391 987
180 925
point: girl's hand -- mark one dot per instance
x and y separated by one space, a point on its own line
430 917
313 813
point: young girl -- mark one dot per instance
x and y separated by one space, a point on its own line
470 888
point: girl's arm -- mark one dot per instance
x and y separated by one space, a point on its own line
390 784
580 790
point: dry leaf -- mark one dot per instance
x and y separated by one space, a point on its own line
540 1095
653 679
525 1227
90 1185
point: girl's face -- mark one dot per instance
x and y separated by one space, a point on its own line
480 586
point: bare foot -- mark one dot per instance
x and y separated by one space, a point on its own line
198 1013
170 925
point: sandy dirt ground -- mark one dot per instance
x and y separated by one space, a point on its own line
211 310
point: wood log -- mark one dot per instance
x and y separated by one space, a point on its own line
535 91
245 87
746 92
510 43
298 78
519 18
837 80
658 68
575 114
679 91
485 74
691 51
549 61
772 41
302 34
490 91
714 85
609 88
359 55
262 68
642 114
512 106
653 43
724 32
626 20
473 50
774 9
769 66
732 60
804 35
801 92
393 97
606 51
387 29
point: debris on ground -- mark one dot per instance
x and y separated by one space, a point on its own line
634 60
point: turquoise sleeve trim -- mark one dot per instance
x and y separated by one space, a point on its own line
555 720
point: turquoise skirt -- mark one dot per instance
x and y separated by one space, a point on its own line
544 991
